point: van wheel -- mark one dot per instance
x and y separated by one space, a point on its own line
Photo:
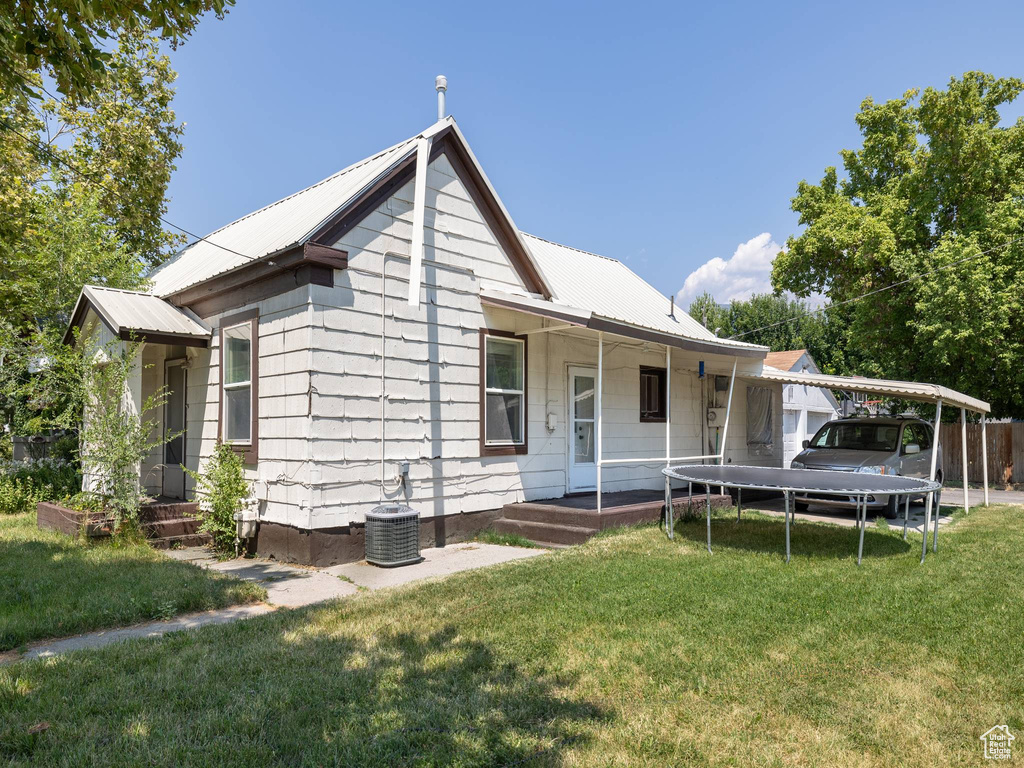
892 507
800 506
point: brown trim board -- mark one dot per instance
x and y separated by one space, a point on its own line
291 268
250 453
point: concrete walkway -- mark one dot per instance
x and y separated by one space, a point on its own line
287 586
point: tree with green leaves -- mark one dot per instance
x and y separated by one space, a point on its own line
82 188
932 203
779 323
82 192
70 40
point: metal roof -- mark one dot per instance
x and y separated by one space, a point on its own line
908 390
275 227
595 321
138 313
294 219
612 290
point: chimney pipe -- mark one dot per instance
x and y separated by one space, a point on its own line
441 85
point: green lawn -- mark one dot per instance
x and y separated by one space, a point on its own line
629 650
52 585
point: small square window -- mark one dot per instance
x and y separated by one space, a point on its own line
653 393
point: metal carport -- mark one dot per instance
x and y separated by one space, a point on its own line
906 390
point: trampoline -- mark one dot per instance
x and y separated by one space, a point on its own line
818 481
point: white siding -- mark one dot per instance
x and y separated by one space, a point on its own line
281 479
432 376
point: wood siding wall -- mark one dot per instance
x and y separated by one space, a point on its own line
432 375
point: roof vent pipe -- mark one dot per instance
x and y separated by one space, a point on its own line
441 84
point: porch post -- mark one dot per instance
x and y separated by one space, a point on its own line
728 410
963 449
984 458
598 415
669 512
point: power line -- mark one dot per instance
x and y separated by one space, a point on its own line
89 178
910 279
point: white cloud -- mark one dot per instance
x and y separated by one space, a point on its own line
746 272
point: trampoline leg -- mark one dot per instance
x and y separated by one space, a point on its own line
708 488
670 516
924 530
739 502
935 531
906 515
787 525
689 493
862 503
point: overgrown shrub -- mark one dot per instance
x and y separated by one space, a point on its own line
115 436
23 483
222 489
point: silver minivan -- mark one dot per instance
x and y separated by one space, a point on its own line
879 445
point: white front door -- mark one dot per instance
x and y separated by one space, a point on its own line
175 379
582 429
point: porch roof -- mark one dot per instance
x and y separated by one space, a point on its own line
585 318
908 390
143 316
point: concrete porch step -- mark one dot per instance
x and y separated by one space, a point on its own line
179 526
545 533
154 512
186 540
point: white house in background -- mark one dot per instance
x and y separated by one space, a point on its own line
390 334
804 408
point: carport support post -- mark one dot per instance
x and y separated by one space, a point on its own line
600 371
984 458
963 449
931 477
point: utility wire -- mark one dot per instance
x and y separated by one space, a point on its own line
45 150
910 279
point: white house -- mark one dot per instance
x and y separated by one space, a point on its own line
805 409
390 334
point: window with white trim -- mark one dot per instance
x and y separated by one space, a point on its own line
504 391
236 382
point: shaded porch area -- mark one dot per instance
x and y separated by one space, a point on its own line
574 519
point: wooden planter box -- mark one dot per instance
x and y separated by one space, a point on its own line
72 521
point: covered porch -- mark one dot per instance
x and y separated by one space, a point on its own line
168 340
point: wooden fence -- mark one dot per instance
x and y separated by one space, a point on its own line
1005 453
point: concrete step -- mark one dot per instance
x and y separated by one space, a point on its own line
529 512
179 526
155 512
548 533
187 540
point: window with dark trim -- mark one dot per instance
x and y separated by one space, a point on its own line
652 394
503 396
238 412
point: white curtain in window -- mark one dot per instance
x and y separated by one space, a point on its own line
759 416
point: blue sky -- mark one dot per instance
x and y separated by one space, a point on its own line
664 135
